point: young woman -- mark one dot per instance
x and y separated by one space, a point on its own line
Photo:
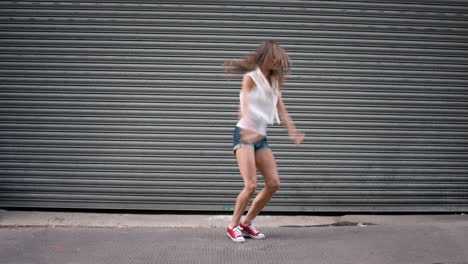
260 104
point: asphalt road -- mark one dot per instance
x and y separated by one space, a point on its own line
426 242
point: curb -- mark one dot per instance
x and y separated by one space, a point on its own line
59 219
66 219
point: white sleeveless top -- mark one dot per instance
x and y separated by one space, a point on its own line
263 99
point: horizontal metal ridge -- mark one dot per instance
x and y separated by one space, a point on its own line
341 106
95 124
351 199
171 147
204 23
197 65
351 68
155 95
207 192
165 187
384 33
98 160
303 119
178 135
181 93
162 154
314 167
231 87
299 112
256 13
196 206
149 78
312 83
205 125
347 175
225 46
168 183
200 36
264 4
299 56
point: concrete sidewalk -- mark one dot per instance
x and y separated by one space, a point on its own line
64 238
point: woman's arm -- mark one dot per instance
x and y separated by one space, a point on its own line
247 84
296 136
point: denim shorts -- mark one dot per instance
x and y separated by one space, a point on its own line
237 143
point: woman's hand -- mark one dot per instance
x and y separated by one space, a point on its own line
297 137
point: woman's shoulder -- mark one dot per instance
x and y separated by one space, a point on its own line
252 74
248 81
253 77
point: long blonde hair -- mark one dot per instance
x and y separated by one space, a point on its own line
265 51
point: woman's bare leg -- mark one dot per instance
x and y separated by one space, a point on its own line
266 164
246 161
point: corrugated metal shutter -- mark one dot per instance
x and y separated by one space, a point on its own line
114 104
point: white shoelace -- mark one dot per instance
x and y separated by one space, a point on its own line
252 227
237 231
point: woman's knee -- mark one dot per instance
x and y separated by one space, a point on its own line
250 188
273 185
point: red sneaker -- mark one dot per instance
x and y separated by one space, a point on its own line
251 231
235 234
